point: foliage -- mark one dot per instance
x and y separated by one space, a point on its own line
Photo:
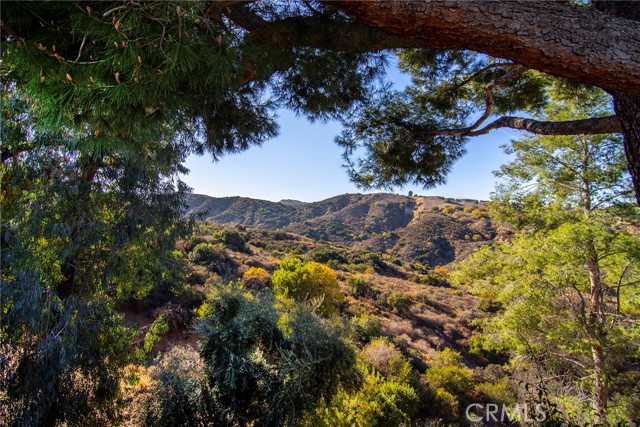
450 381
266 369
179 394
232 240
380 402
214 258
364 327
256 278
360 287
159 327
307 281
399 302
325 255
81 229
387 360
565 289
204 254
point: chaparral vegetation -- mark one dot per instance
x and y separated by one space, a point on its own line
126 300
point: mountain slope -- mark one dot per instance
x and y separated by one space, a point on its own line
428 230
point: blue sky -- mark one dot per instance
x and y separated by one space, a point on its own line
303 163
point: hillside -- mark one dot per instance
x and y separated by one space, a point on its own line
432 231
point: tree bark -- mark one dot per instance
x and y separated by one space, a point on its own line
625 101
628 110
556 38
596 334
592 126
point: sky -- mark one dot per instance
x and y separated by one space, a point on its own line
304 163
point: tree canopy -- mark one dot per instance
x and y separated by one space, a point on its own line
103 101
223 69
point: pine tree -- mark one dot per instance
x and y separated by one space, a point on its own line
566 282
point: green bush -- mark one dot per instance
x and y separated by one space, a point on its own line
160 326
359 286
232 240
387 359
325 255
307 281
364 327
450 381
215 259
399 303
257 357
204 254
380 402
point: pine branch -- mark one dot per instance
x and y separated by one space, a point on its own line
591 126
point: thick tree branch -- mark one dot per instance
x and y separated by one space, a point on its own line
311 31
592 126
553 37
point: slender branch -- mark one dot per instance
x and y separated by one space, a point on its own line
484 70
488 96
84 39
115 9
612 197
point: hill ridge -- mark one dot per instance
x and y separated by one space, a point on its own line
430 230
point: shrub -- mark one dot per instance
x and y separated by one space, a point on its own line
442 271
232 240
191 243
364 327
380 402
179 395
325 255
160 326
479 213
214 258
476 237
257 357
450 380
305 281
387 359
359 286
399 303
256 278
176 316
449 210
204 254
499 391
433 279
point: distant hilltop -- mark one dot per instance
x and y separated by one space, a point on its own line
293 203
429 230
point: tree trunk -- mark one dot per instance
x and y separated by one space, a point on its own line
596 334
627 105
628 111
